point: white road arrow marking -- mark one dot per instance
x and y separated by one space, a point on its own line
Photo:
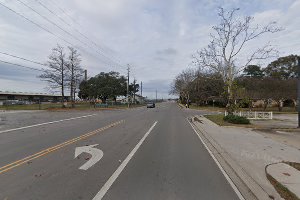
97 154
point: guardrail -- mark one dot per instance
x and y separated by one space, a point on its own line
253 115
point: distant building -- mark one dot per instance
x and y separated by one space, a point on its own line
121 99
139 99
29 97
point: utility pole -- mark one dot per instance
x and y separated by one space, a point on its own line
155 96
298 99
134 90
141 89
128 70
85 75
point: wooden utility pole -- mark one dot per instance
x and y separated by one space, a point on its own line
134 89
85 75
128 70
298 99
141 89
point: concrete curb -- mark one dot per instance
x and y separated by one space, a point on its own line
247 186
181 106
284 183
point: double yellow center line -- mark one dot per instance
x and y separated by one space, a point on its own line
54 148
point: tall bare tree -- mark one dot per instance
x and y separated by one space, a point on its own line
230 37
182 84
56 75
75 71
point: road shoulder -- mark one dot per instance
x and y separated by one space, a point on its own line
244 154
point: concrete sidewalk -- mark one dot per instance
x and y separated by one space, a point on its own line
280 121
283 129
286 175
247 153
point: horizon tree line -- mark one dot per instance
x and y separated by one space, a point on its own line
277 82
223 68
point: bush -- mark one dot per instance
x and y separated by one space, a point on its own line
236 119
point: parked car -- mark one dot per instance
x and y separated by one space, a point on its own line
150 105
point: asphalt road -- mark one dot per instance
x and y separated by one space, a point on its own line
147 154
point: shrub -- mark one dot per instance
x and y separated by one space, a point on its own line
236 119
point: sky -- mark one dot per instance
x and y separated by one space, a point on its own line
157 38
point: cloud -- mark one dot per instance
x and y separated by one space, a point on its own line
167 52
156 37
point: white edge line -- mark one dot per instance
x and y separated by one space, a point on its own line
236 190
52 122
115 175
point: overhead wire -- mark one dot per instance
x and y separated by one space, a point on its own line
28 60
67 23
45 29
31 21
70 17
63 11
19 65
56 25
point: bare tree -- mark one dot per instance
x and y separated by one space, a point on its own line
182 84
230 37
56 75
75 71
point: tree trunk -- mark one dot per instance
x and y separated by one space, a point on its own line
250 105
72 86
265 104
295 104
62 86
230 102
280 105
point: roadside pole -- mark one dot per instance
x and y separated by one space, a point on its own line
128 70
40 107
134 88
298 94
85 75
141 89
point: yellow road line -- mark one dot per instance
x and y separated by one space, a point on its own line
54 148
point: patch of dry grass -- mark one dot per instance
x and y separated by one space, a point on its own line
283 191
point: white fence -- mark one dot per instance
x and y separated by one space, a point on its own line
253 115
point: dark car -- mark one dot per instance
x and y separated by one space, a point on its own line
150 105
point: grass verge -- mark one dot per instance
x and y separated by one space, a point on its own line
293 164
218 119
283 191
285 110
208 108
58 107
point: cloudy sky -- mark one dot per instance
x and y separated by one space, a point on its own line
156 37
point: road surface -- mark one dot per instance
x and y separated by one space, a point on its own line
127 154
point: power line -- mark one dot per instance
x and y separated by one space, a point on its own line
45 18
63 11
38 25
22 58
53 23
43 28
15 64
64 21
